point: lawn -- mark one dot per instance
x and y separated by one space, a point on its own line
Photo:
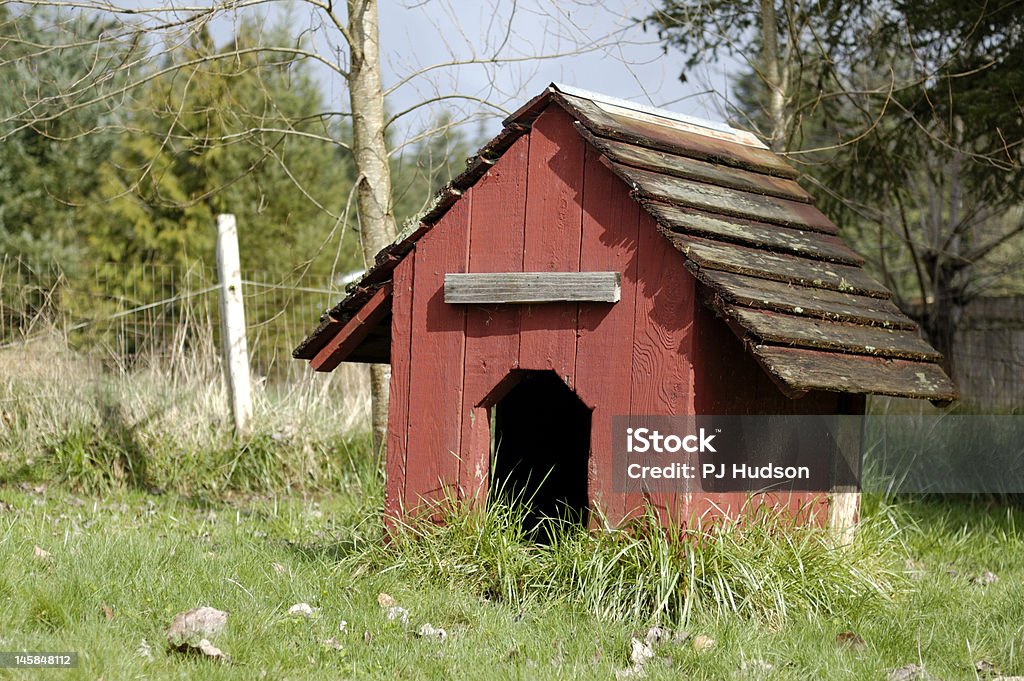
125 500
117 568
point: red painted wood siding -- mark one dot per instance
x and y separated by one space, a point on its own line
662 370
398 404
554 216
604 347
492 332
438 344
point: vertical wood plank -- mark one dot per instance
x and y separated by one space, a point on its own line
662 370
492 332
728 383
844 501
604 346
553 216
398 402
438 347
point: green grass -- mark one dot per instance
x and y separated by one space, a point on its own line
64 417
150 507
513 609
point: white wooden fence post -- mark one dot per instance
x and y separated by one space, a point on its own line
232 316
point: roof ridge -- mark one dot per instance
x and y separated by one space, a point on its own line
739 136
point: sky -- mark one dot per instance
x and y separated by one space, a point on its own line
591 44
509 51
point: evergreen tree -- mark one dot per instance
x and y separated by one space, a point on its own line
47 162
239 132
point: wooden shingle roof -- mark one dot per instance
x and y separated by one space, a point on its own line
771 263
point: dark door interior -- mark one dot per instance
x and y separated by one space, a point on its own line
540 452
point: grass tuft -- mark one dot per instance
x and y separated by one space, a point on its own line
761 568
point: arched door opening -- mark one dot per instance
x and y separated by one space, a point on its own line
540 451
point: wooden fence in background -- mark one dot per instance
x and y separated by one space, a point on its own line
989 354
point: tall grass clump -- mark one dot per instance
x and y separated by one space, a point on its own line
761 566
164 423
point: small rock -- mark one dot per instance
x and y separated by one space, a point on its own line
432 632
984 667
680 637
41 554
986 578
640 652
210 650
302 610
199 623
386 601
144 651
910 672
702 643
332 643
657 635
851 640
397 612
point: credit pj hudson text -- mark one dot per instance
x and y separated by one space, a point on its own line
653 455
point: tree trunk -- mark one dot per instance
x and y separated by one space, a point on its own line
943 316
772 75
373 193
940 330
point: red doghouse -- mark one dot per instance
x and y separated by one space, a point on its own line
598 259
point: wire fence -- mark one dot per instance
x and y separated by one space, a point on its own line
127 315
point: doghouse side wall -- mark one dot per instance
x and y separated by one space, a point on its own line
398 399
730 382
